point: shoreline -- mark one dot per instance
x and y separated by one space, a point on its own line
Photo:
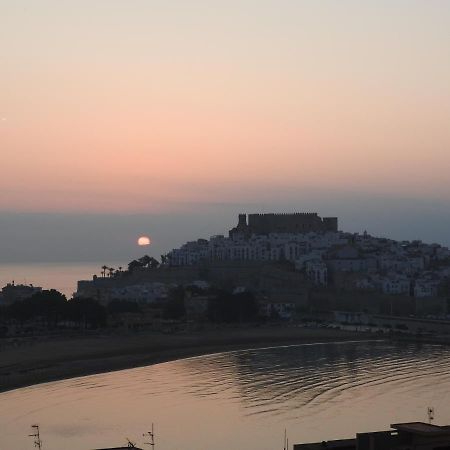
64 358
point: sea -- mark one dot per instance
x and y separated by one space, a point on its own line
244 399
62 276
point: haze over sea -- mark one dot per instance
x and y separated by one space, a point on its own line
237 400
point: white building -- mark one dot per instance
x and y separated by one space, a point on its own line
139 293
395 284
317 272
426 287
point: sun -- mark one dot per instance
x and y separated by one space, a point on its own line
144 240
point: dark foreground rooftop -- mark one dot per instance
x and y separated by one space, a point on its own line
118 448
403 436
421 428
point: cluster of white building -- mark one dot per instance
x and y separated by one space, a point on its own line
384 265
139 293
271 247
106 290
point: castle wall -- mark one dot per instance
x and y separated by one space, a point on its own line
286 223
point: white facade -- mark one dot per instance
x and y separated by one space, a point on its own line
396 285
317 272
426 288
284 310
272 247
139 293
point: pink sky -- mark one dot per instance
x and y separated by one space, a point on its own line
143 106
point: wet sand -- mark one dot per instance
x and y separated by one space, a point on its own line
38 361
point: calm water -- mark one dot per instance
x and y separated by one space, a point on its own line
238 400
60 276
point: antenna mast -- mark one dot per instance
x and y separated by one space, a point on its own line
430 412
37 437
151 436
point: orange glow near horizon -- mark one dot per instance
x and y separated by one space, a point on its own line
146 108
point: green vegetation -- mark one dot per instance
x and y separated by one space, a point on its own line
228 307
144 262
50 309
174 307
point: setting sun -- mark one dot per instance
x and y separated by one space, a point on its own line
144 240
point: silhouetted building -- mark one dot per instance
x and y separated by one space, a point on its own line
404 436
283 223
13 292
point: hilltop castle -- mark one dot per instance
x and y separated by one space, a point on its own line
283 223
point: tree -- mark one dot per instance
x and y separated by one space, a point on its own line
149 261
49 304
174 307
122 306
227 307
153 263
20 310
87 312
144 260
134 265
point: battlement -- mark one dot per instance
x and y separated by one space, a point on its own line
297 222
282 214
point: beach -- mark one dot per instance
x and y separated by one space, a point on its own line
31 361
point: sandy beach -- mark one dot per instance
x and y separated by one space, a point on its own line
36 361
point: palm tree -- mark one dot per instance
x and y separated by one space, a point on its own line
145 260
104 271
111 271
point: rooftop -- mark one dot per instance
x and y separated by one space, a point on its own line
342 444
421 428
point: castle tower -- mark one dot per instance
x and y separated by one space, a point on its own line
241 229
242 220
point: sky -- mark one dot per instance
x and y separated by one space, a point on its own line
168 118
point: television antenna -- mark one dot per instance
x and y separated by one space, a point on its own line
151 437
37 437
430 411
286 441
130 444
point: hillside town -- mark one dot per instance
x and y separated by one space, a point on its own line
370 263
269 267
294 265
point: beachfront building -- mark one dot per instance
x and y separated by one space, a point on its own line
13 292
